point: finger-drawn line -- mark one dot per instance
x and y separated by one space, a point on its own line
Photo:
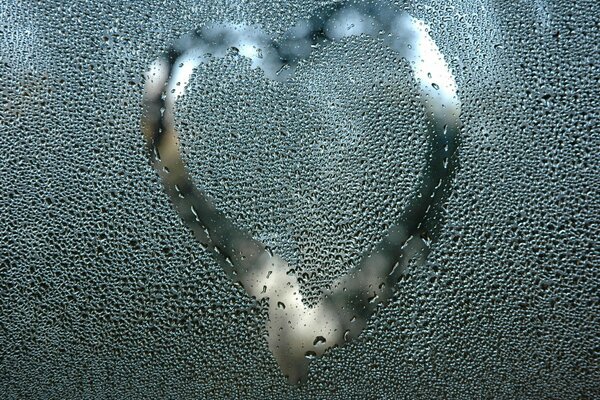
298 333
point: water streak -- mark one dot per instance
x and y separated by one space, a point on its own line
298 333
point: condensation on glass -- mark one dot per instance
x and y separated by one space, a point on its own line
298 333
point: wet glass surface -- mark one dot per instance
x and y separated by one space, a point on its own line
299 200
296 331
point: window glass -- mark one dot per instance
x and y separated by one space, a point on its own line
299 199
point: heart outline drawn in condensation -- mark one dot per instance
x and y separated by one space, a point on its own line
298 333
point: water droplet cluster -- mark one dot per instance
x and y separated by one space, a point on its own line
325 163
104 292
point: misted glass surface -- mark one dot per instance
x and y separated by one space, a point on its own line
299 199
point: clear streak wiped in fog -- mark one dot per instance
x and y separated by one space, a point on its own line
298 333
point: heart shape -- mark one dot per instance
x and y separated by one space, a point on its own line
298 333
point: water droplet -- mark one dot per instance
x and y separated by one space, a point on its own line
319 340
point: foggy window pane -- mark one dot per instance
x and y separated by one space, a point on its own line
299 199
